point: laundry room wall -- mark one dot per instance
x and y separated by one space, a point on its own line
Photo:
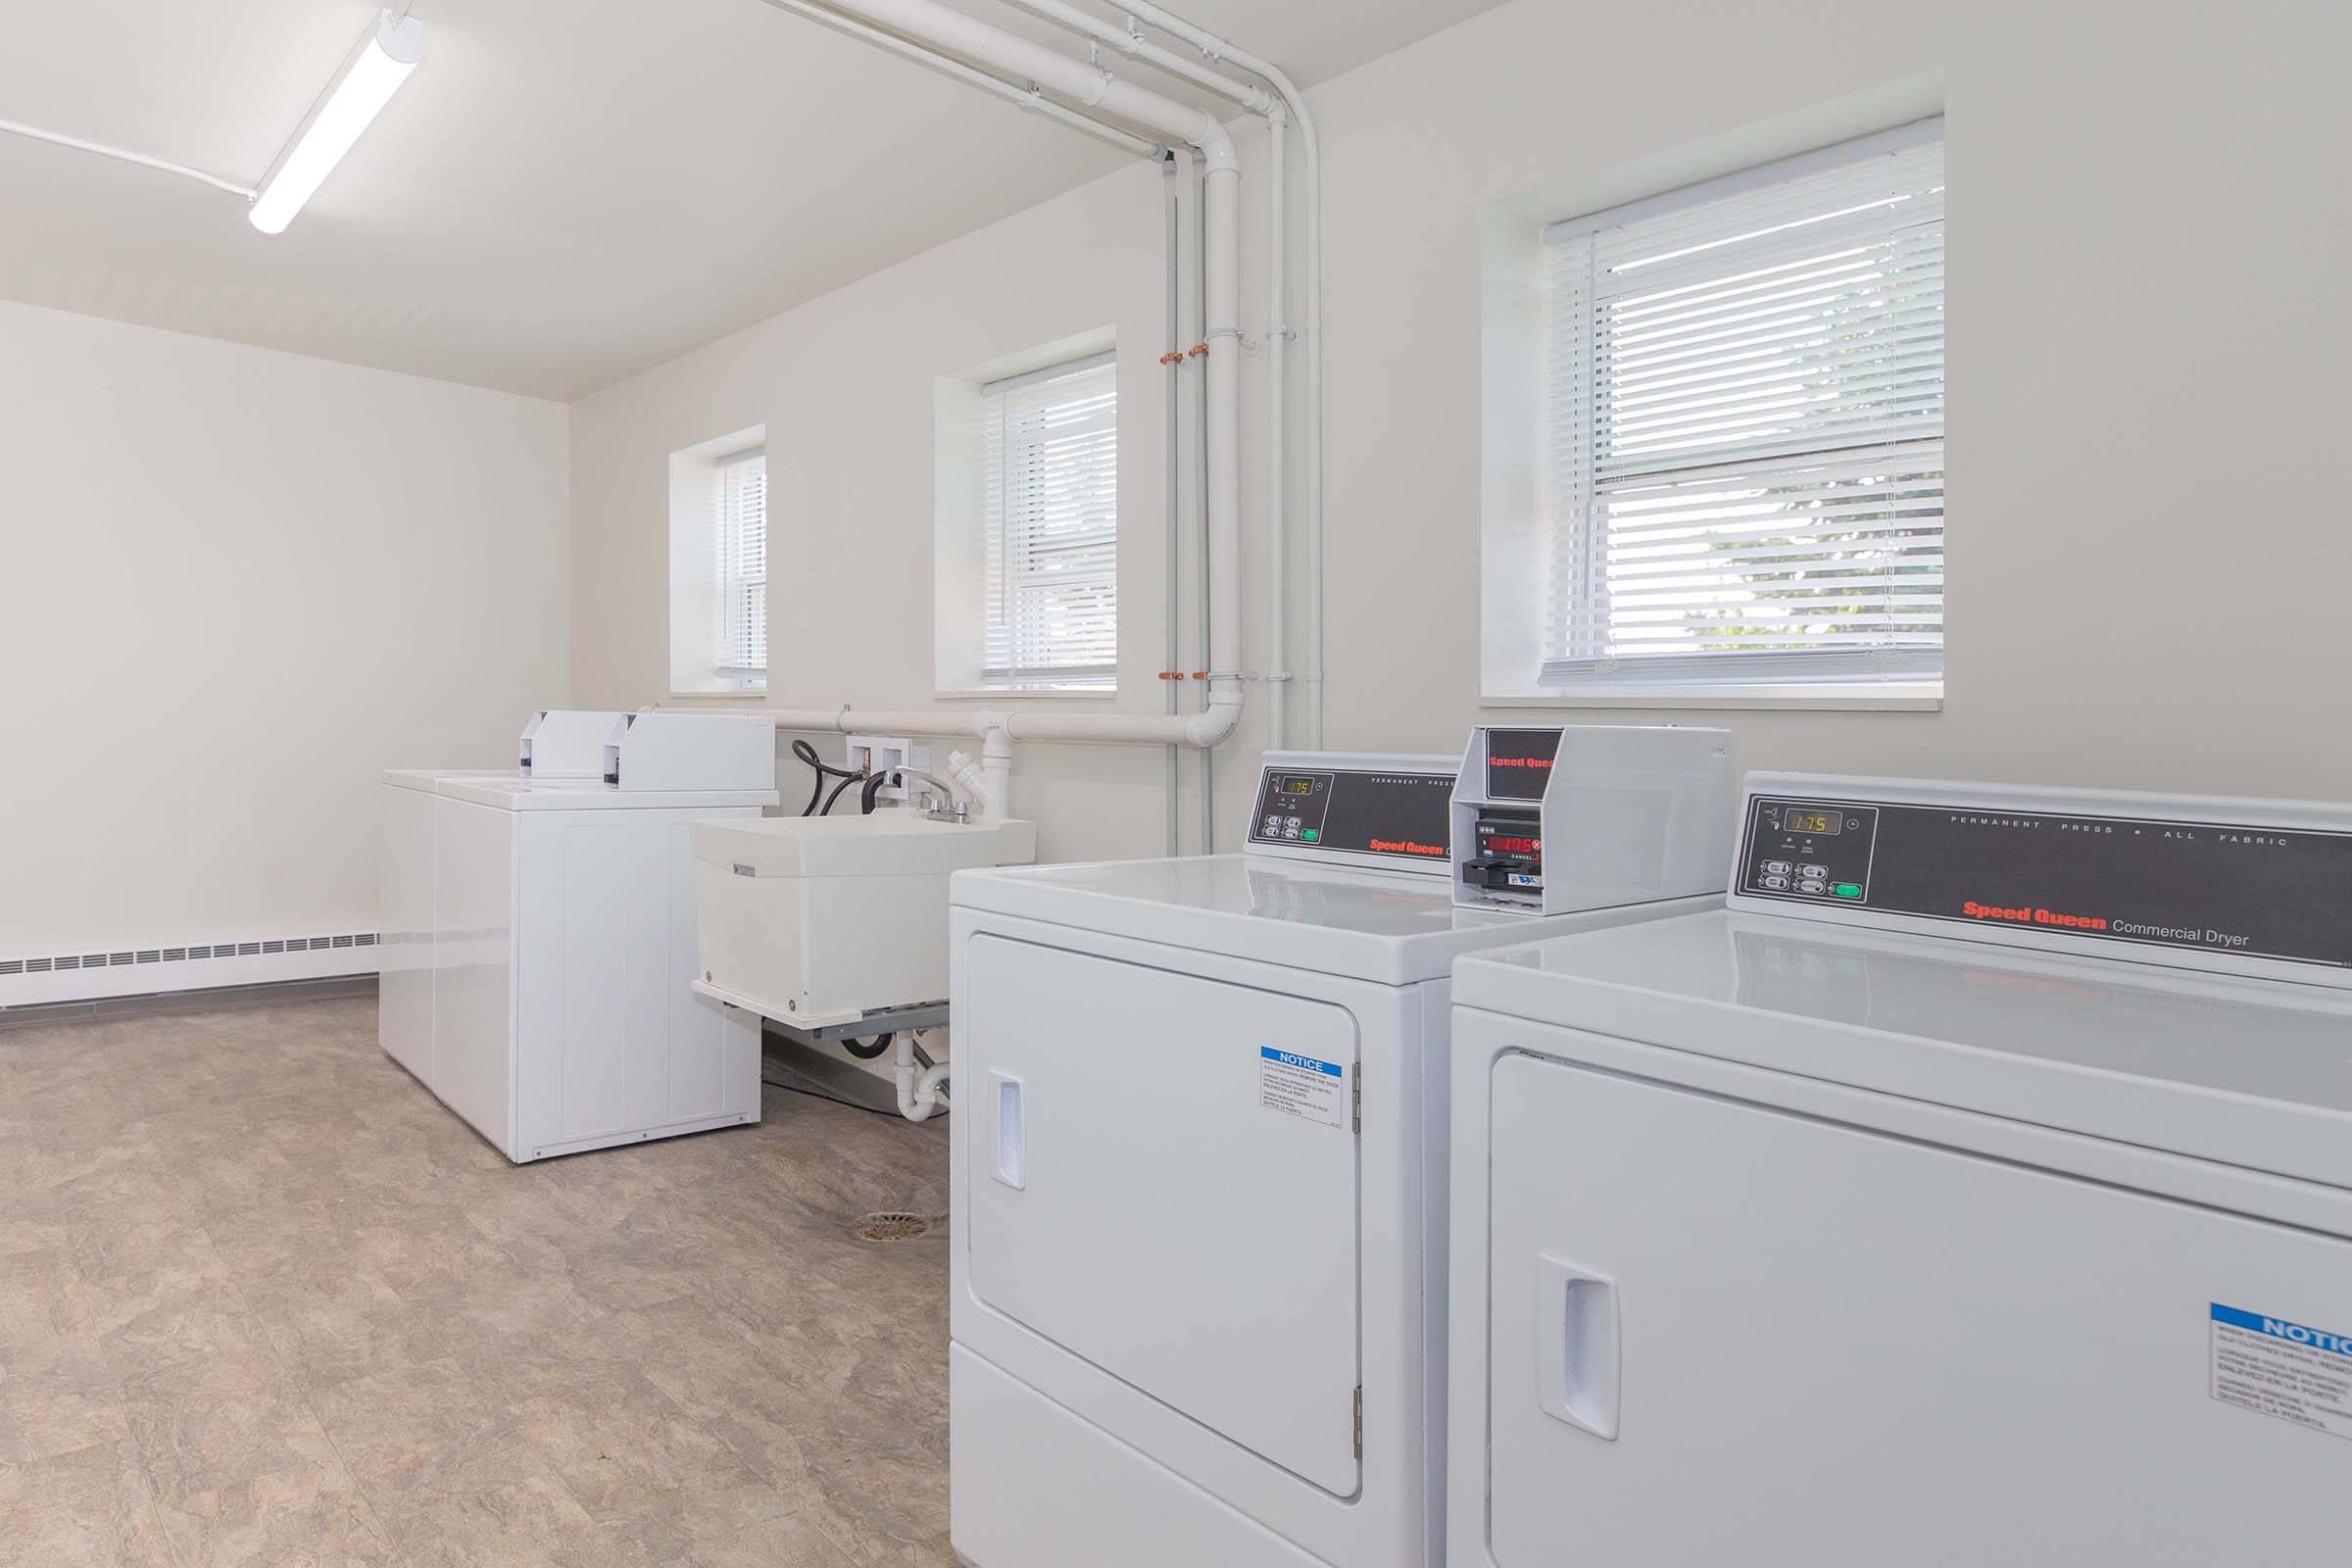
235 585
2146 329
844 387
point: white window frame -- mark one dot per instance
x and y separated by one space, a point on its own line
738 640
1572 541
700 657
1015 576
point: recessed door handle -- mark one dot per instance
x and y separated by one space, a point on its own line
1577 1346
1011 1130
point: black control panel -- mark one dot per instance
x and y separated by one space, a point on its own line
1507 853
2217 887
1367 812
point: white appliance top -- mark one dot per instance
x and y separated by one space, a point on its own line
428 779
510 792
2251 1072
1390 928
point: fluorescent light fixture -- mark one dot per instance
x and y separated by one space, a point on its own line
388 51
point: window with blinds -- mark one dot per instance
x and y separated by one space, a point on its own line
1052 513
742 549
1745 408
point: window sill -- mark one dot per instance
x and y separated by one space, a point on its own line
721 694
1888 697
1008 696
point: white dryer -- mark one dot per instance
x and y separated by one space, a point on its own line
1199 1164
1975 1189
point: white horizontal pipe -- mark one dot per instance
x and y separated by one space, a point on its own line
1011 92
1135 46
928 21
1205 728
58 138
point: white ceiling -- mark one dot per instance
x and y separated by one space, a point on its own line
566 192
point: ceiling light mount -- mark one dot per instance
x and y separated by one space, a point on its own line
386 53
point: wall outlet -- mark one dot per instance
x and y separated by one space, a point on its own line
883 753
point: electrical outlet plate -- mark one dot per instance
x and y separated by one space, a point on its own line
881 754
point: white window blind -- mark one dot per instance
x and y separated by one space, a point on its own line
1053 520
742 545
1745 406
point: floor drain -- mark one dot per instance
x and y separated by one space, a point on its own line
891 1226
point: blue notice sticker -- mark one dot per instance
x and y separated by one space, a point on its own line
1290 1058
1306 1087
2278 1367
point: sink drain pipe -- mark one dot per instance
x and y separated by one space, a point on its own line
920 1091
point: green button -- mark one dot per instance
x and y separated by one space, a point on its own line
1847 890
1310 835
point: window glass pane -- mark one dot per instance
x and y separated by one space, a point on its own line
1746 410
1051 519
742 546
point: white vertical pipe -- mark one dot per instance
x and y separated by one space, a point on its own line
1224 300
1278 642
1310 143
1170 521
1201 654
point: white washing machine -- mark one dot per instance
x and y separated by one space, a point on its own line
540 942
1975 1189
1199 1169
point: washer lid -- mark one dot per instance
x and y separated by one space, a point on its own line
2255 1073
511 792
428 780
1389 927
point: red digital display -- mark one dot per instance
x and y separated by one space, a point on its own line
1511 843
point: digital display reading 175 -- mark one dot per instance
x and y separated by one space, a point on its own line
1810 821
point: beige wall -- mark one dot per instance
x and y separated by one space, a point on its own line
2147 243
846 386
234 586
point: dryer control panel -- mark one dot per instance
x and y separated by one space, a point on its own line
1337 806
2241 884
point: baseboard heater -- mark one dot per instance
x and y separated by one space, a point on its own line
196 966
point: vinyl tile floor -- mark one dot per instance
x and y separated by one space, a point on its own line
264 1301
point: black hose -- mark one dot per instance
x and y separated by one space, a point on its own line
873 788
868 1053
824 771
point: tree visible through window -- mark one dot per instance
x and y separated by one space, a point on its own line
1746 417
1051 514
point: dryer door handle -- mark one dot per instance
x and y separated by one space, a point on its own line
1009 1130
1577 1346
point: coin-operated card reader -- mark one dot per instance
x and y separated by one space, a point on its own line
1550 819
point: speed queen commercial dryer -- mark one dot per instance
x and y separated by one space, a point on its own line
1974 1190
1198 1172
